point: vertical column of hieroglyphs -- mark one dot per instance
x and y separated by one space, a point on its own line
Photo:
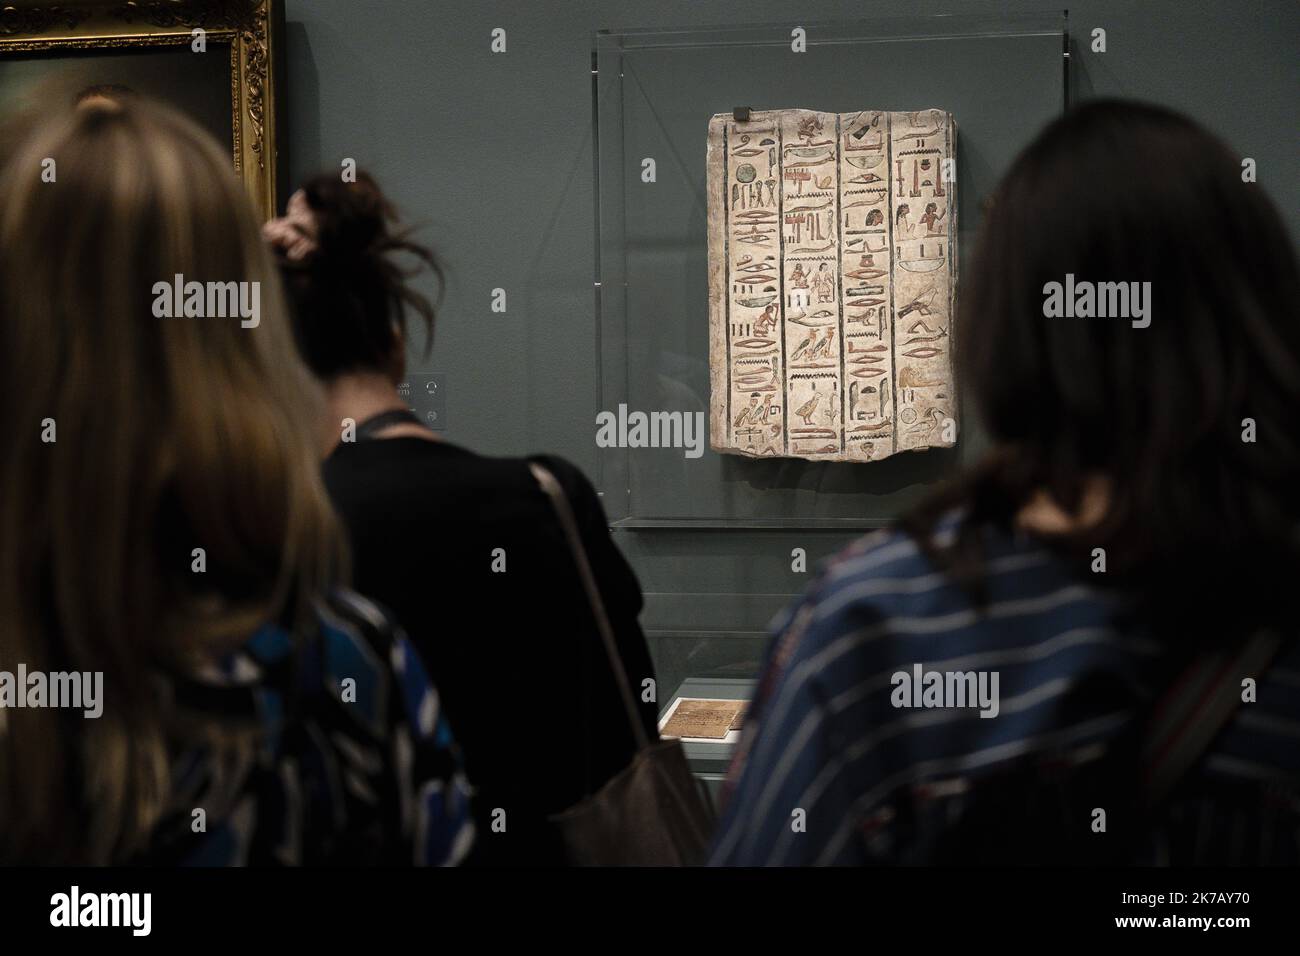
719 300
810 266
719 344
864 259
753 197
922 220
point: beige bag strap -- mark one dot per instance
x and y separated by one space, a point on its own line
563 511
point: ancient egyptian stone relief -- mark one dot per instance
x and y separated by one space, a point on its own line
832 273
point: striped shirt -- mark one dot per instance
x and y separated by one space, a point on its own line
865 741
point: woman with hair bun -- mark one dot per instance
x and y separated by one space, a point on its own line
465 549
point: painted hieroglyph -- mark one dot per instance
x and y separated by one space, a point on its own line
832 273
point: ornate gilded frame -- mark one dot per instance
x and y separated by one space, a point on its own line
251 27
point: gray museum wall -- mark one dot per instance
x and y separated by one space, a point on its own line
492 155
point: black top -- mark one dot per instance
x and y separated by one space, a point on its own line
515 655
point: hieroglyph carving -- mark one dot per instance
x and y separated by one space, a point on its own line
832 274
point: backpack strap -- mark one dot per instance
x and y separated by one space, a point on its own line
1198 705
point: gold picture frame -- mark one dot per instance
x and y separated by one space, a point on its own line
70 31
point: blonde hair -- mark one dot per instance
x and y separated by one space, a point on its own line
172 434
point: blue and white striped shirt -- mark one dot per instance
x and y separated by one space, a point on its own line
832 770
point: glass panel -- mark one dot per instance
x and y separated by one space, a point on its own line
654 91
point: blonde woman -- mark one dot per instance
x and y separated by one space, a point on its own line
166 546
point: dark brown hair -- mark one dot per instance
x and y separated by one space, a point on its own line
350 296
1200 522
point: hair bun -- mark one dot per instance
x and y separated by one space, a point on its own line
350 296
352 220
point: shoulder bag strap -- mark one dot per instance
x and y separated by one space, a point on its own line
563 511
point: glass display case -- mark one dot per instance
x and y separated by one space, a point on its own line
712 536
654 91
